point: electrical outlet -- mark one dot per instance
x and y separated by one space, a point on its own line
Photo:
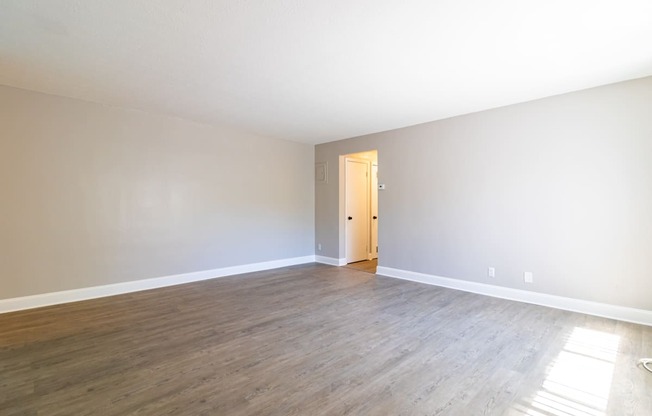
319 246
491 272
528 277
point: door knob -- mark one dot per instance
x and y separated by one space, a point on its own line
350 218
375 217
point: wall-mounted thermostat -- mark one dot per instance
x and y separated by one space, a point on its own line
381 186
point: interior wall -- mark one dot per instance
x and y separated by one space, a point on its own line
370 155
561 187
93 195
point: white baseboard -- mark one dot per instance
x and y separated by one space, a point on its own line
330 260
54 298
621 313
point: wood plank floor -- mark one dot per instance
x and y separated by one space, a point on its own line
318 340
368 266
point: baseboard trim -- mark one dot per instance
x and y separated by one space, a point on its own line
621 313
330 260
75 295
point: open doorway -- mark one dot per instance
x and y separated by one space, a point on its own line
360 209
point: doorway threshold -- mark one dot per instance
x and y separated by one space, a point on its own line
367 266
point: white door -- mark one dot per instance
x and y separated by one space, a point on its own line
374 211
357 209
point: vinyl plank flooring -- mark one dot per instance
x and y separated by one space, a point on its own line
368 266
318 340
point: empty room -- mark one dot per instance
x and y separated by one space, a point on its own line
359 207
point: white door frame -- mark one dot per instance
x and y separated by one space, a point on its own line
342 207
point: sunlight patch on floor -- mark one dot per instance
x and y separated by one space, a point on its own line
578 381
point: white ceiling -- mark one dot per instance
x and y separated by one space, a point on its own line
320 70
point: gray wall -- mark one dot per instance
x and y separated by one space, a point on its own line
561 187
93 195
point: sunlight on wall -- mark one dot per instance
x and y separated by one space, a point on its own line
578 381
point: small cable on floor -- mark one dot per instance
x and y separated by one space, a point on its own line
646 363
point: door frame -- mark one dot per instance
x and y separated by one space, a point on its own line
341 197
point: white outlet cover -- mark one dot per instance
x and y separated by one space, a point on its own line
528 277
491 272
